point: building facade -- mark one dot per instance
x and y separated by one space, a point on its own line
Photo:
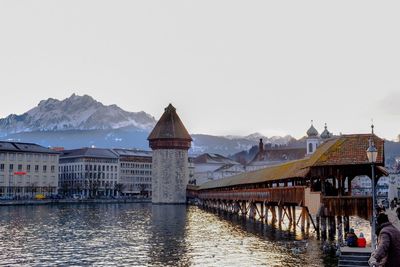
27 170
208 167
89 172
135 171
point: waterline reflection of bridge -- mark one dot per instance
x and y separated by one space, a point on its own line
318 186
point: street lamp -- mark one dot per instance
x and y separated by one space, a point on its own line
372 154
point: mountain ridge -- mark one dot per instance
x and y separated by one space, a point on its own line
72 113
82 121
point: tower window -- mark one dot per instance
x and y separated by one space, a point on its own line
310 147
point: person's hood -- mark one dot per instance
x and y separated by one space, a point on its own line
380 227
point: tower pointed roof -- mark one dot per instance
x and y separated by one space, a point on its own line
169 131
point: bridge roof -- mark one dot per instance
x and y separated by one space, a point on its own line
339 151
282 171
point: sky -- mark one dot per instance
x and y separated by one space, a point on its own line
229 67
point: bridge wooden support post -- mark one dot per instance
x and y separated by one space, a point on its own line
332 226
273 211
294 217
323 228
262 212
266 213
340 230
303 218
280 213
236 207
245 209
318 219
346 224
252 210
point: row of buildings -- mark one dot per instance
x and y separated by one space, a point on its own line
29 169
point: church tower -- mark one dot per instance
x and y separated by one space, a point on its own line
313 139
170 142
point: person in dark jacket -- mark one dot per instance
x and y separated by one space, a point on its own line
351 238
388 244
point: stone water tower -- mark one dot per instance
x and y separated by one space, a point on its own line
170 142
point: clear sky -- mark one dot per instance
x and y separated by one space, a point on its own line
229 67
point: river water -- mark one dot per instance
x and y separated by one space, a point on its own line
145 235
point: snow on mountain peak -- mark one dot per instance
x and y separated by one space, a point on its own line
75 112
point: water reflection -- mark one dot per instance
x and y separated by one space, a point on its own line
145 235
167 246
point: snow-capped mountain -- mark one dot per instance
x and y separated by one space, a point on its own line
75 113
81 121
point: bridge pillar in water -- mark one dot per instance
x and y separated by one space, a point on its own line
280 215
303 218
294 217
170 142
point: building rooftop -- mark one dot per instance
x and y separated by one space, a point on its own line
132 152
89 152
208 158
24 147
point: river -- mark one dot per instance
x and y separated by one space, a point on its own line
140 234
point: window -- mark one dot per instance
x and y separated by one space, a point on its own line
1 167
44 168
28 168
310 148
53 168
36 168
11 167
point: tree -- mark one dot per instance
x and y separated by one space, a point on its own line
65 187
119 188
93 187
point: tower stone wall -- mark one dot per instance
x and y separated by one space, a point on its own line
170 176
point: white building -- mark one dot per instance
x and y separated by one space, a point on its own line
208 167
89 172
135 171
27 170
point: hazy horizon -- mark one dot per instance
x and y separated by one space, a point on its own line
229 67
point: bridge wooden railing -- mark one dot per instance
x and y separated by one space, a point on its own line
360 206
288 195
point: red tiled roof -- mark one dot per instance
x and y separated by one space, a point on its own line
347 150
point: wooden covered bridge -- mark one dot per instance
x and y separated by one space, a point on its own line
318 185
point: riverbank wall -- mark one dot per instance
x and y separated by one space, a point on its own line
71 201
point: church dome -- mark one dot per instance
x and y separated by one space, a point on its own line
326 134
312 132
